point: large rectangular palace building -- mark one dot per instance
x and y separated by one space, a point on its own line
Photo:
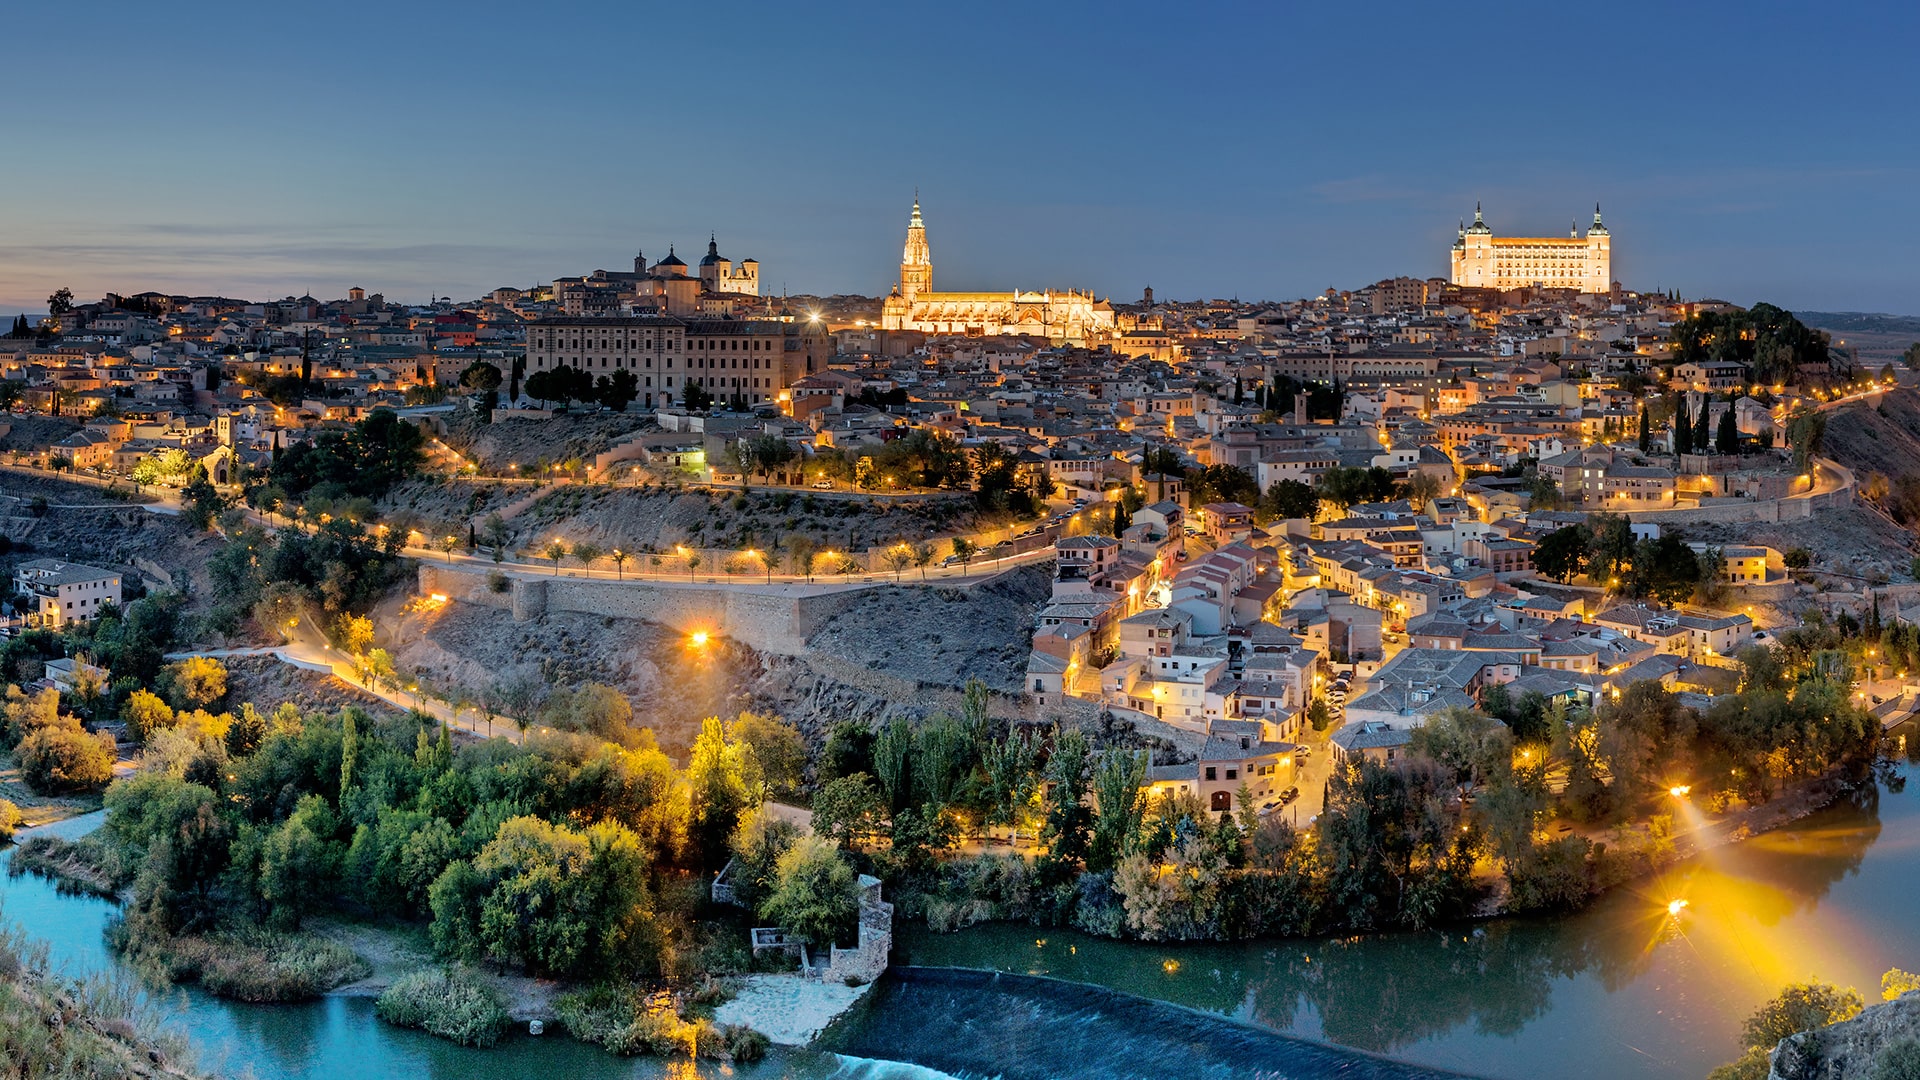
1483 260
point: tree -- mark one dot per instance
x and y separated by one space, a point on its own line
481 376
1065 830
1727 439
196 682
923 555
1646 430
816 895
778 751
963 550
1682 427
848 809
584 554
60 303
726 782
62 758
1806 434
618 390
145 713
1545 493
1291 499
1702 439
1563 553
556 550
1119 790
1421 488
1799 1007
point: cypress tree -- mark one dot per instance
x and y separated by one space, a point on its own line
1646 430
1682 427
1727 440
1702 435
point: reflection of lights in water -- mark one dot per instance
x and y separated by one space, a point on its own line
1169 966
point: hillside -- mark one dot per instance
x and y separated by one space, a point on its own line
1883 438
897 651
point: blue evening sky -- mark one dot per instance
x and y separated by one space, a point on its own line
1745 150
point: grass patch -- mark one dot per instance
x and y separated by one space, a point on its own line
247 964
76 867
453 1003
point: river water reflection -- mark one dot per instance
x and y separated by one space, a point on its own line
1625 988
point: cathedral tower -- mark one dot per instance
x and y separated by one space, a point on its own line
916 266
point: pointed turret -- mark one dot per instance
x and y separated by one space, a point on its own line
1597 226
1479 226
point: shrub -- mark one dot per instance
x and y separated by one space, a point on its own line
744 1044
56 760
9 820
453 1003
626 1021
497 581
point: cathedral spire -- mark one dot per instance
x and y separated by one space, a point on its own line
915 222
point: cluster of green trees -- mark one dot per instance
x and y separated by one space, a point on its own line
1768 339
1339 487
1605 550
277 577
568 856
1393 847
365 459
567 383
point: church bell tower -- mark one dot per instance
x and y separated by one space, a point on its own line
916 265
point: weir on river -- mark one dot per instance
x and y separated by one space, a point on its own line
1021 1027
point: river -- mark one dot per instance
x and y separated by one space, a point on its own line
1625 988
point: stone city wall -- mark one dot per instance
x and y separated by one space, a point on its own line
769 622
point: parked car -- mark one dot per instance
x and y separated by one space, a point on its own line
823 485
1289 795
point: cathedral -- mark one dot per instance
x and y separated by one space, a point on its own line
1513 262
1069 318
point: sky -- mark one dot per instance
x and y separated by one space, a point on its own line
1745 151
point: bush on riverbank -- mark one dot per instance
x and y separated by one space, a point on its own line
627 1021
76 867
9 820
244 964
453 1003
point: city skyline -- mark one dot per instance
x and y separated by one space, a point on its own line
1055 151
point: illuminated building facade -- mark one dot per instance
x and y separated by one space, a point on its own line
752 361
1482 260
1069 318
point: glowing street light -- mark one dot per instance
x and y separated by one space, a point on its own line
697 639
1676 906
1680 791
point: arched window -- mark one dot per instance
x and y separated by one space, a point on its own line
1222 800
